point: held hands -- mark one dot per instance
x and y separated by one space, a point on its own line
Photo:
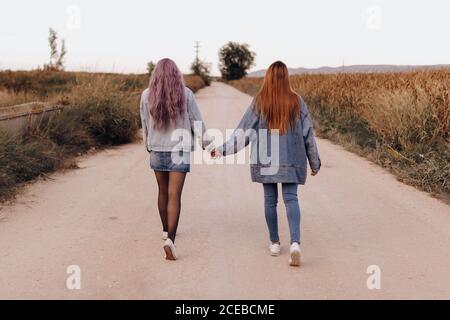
215 154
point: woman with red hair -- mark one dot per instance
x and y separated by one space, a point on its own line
277 123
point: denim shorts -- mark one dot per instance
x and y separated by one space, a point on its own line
170 161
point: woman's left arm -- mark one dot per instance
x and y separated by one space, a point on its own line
310 142
241 135
144 120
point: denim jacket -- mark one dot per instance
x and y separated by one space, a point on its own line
276 158
179 137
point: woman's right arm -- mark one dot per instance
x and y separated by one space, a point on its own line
196 119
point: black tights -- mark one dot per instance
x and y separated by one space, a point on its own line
170 185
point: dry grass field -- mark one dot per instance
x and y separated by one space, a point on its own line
398 120
102 110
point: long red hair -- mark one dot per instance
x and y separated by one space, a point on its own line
276 101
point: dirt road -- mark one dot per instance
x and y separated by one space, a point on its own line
103 218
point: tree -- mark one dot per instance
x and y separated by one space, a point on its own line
56 62
52 42
234 60
202 69
62 54
150 68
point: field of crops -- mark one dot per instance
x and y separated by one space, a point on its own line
398 120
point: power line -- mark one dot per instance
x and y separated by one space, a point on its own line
197 51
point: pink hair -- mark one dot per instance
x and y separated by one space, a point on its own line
167 98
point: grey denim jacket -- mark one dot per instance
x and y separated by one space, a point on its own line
276 158
179 137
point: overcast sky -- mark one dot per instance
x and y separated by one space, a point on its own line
122 36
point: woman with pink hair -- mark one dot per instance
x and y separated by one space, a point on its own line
169 114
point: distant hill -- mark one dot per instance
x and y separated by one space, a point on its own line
379 68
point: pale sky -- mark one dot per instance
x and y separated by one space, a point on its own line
122 36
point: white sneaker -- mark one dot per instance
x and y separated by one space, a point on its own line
165 235
294 260
169 248
275 249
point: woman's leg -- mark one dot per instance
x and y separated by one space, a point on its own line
270 210
293 210
176 183
162 178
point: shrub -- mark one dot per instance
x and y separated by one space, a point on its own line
109 115
202 69
23 159
66 129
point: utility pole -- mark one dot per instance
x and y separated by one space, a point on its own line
197 51
343 65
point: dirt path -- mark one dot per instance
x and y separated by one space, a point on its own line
103 218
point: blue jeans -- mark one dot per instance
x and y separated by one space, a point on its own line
292 209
